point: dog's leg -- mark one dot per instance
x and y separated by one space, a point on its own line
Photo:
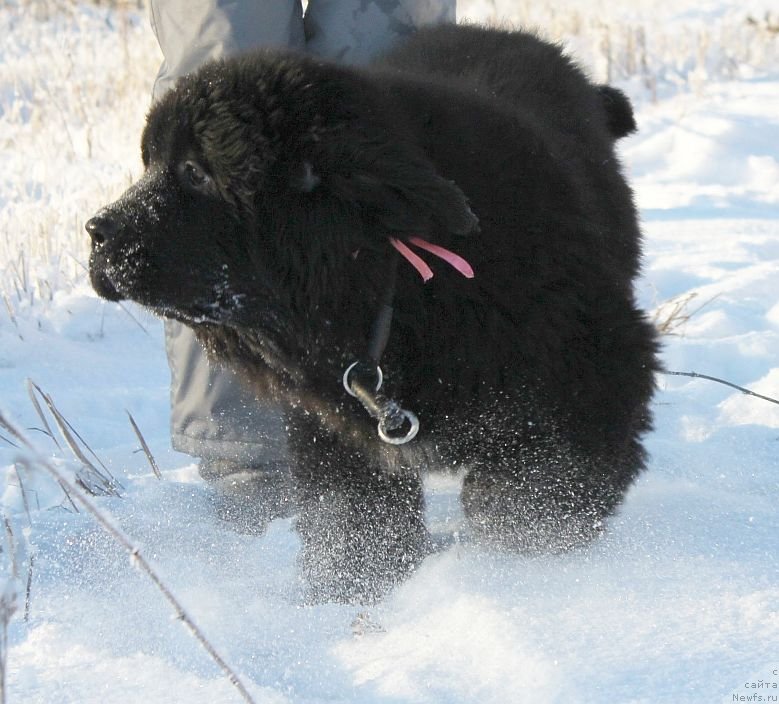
361 514
536 499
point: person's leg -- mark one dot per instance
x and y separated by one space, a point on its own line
239 439
190 32
354 31
212 416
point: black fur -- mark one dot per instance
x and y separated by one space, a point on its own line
272 185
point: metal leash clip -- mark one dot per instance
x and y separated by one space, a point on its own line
390 415
413 422
348 386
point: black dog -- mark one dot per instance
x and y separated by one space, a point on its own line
279 192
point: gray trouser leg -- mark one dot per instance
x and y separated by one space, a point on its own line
212 415
354 31
192 31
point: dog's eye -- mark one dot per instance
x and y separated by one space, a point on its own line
195 176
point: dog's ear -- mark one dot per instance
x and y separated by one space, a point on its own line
400 190
619 111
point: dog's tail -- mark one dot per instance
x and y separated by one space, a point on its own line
619 111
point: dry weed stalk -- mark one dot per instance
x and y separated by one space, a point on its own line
7 610
4 439
12 317
748 392
8 598
155 468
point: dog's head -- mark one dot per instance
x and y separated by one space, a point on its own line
263 175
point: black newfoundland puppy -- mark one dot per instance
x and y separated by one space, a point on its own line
455 214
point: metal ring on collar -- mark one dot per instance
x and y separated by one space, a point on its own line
347 386
410 435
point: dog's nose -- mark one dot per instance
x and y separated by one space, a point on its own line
102 228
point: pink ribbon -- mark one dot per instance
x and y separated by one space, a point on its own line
454 260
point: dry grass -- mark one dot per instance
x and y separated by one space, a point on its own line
640 49
75 83
671 316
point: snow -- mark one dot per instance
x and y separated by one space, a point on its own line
679 602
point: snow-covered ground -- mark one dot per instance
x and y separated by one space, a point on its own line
678 603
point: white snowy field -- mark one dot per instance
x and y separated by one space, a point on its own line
679 602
